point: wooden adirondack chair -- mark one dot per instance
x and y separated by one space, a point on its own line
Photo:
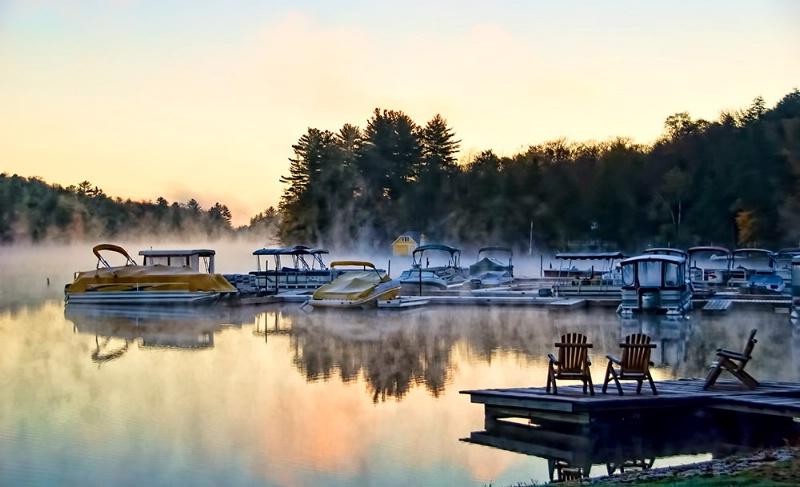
572 363
561 471
634 365
734 362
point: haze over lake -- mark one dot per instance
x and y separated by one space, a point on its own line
275 396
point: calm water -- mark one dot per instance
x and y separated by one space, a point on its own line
276 396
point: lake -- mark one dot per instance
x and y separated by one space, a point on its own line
273 395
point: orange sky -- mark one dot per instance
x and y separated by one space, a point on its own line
204 100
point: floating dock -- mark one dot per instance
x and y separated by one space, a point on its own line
570 405
575 432
716 304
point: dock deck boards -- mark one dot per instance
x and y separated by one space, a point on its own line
769 398
760 403
717 306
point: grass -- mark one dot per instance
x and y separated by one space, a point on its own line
769 474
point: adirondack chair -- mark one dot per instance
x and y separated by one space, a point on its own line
561 471
634 365
572 363
637 464
734 362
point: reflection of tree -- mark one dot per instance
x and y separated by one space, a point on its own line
394 353
391 359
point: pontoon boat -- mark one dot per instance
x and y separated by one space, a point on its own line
168 278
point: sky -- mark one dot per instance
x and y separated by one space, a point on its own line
203 99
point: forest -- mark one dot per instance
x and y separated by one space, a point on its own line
733 181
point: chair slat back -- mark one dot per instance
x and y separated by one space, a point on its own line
751 342
571 474
572 358
636 353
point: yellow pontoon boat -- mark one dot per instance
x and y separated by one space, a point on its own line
175 280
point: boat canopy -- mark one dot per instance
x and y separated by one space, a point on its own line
177 253
296 250
179 258
495 249
666 251
653 270
356 263
589 255
111 248
672 259
748 251
707 248
445 248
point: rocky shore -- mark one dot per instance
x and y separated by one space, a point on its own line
724 466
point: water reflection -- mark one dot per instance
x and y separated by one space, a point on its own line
573 453
671 335
395 352
117 328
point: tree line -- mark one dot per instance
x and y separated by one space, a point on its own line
733 181
32 210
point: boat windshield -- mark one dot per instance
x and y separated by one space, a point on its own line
755 260
710 260
672 274
650 273
628 274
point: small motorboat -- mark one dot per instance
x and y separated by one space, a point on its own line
441 276
489 270
764 284
175 280
355 288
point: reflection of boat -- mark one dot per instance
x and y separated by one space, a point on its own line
168 277
442 277
356 289
116 327
597 275
671 334
655 283
489 270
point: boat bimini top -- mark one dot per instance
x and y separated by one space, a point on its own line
455 254
297 254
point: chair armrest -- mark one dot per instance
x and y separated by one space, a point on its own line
552 358
733 355
588 361
614 359
574 345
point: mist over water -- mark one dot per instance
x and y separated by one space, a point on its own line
273 395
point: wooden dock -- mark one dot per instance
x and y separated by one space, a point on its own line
576 432
572 406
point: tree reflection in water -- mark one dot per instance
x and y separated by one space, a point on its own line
395 352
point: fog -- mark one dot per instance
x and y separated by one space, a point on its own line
32 270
